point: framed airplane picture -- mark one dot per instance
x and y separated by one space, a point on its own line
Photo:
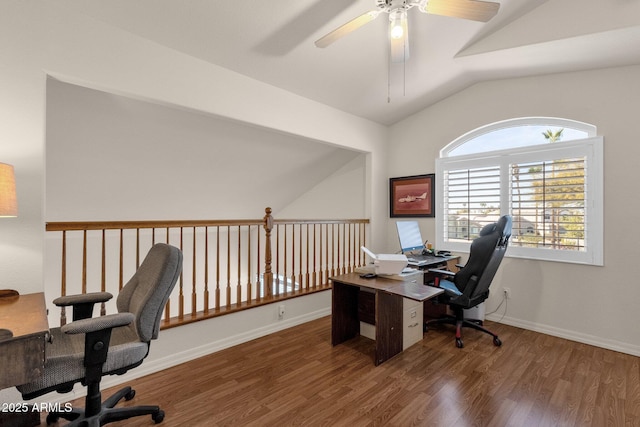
412 196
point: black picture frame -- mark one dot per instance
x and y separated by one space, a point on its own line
412 196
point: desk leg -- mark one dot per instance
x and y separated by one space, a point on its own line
344 312
388 326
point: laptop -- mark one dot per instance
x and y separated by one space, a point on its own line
411 243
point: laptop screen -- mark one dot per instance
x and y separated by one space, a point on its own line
410 236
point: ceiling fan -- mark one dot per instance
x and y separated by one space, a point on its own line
475 10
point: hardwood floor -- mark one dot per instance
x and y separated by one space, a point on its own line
296 378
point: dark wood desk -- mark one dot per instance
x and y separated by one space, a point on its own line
388 294
22 355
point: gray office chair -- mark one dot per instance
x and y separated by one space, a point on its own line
470 286
88 348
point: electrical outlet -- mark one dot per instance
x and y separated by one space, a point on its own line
281 311
507 292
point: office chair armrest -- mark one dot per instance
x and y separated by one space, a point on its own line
82 303
91 297
109 321
443 272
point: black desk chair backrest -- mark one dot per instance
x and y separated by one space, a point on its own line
485 256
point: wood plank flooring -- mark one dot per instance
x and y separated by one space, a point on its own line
296 378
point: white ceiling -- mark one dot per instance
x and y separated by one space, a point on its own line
272 41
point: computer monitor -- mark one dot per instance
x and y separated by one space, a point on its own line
410 236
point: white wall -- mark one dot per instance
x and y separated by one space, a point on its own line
596 305
341 195
111 157
37 40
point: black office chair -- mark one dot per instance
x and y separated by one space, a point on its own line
470 286
88 348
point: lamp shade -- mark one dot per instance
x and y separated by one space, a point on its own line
8 201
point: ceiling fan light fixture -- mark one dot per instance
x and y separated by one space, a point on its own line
398 20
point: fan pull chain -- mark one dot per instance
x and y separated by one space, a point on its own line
404 72
389 76
404 67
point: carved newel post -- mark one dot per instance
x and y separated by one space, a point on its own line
268 274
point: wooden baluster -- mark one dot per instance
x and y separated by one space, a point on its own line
363 242
249 285
350 246
180 284
259 284
194 294
358 244
268 274
293 257
300 266
167 307
339 258
333 249
217 307
63 278
103 275
138 246
206 270
326 257
344 249
239 252
307 260
84 261
228 267
277 277
284 258
314 273
121 261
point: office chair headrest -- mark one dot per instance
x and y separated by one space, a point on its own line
503 226
488 229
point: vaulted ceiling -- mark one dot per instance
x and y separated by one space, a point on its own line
273 41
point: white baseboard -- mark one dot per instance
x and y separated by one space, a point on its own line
614 345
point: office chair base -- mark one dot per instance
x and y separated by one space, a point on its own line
459 324
108 413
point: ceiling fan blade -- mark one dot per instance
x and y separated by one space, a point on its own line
350 26
474 10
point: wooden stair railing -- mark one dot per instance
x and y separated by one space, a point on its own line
228 266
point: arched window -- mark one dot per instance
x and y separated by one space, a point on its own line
545 172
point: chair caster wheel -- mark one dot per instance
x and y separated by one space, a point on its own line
497 342
158 417
52 419
130 395
459 343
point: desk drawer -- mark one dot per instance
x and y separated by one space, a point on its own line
411 323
